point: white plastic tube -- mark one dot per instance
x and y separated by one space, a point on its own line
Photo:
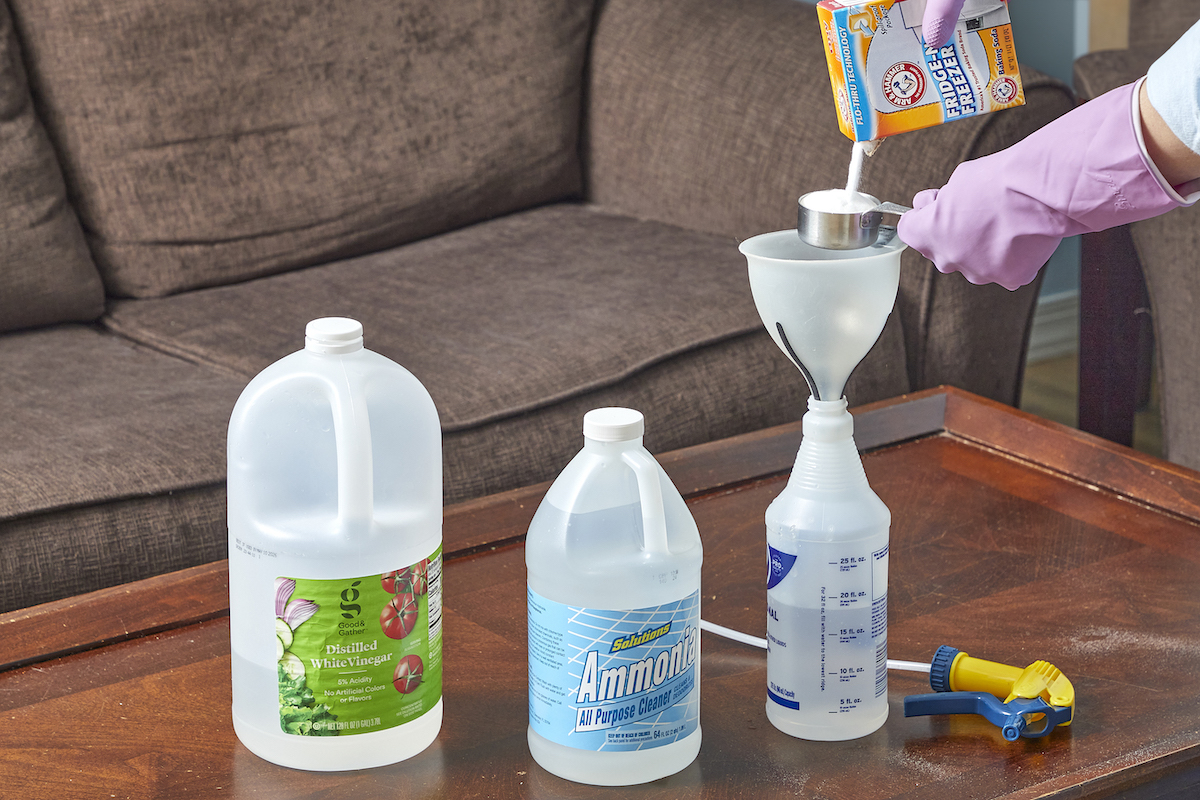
729 633
754 641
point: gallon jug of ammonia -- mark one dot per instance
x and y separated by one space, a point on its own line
614 614
335 543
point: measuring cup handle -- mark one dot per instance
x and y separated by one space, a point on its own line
891 208
886 234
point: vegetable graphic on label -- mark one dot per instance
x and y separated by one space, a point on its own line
408 674
399 615
290 614
393 582
361 654
419 576
299 713
414 579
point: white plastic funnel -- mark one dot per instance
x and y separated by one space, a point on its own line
824 308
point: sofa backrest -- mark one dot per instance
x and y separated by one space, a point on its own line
207 143
1158 23
46 273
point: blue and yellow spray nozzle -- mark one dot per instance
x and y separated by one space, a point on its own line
1036 699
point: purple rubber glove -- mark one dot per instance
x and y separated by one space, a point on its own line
940 18
1000 217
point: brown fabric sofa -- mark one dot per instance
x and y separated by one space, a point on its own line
1147 266
533 205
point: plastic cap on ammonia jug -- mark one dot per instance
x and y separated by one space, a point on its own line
333 335
613 424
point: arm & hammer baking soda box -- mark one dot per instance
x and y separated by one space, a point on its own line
886 81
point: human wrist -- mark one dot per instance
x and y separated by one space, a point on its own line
1172 163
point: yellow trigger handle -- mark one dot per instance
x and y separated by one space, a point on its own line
954 671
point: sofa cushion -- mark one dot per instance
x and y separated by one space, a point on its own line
208 144
46 270
519 317
717 390
113 463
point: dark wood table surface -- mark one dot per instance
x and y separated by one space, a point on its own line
1013 538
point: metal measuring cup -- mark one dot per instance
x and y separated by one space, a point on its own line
846 230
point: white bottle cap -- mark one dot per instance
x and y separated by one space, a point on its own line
613 424
333 335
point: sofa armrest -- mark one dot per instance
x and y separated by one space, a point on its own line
716 116
1105 70
1114 332
1149 262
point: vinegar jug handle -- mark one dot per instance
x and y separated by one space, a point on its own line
355 461
654 520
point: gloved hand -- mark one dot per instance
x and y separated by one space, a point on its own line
1000 217
940 18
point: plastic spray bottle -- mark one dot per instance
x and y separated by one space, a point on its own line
335 536
827 544
614 614
827 532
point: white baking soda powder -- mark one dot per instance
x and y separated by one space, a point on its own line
838 201
848 200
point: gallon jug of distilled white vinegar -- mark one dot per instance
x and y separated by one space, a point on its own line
335 536
614 614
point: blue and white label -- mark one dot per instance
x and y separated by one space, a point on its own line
614 680
827 628
779 564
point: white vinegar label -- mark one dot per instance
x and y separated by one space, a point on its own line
827 627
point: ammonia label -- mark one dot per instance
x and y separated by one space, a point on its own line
614 680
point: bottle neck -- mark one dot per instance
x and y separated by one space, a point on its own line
828 421
828 461
333 336
614 449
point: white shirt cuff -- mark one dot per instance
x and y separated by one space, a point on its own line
1185 194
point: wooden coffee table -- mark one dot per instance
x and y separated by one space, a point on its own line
1012 538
